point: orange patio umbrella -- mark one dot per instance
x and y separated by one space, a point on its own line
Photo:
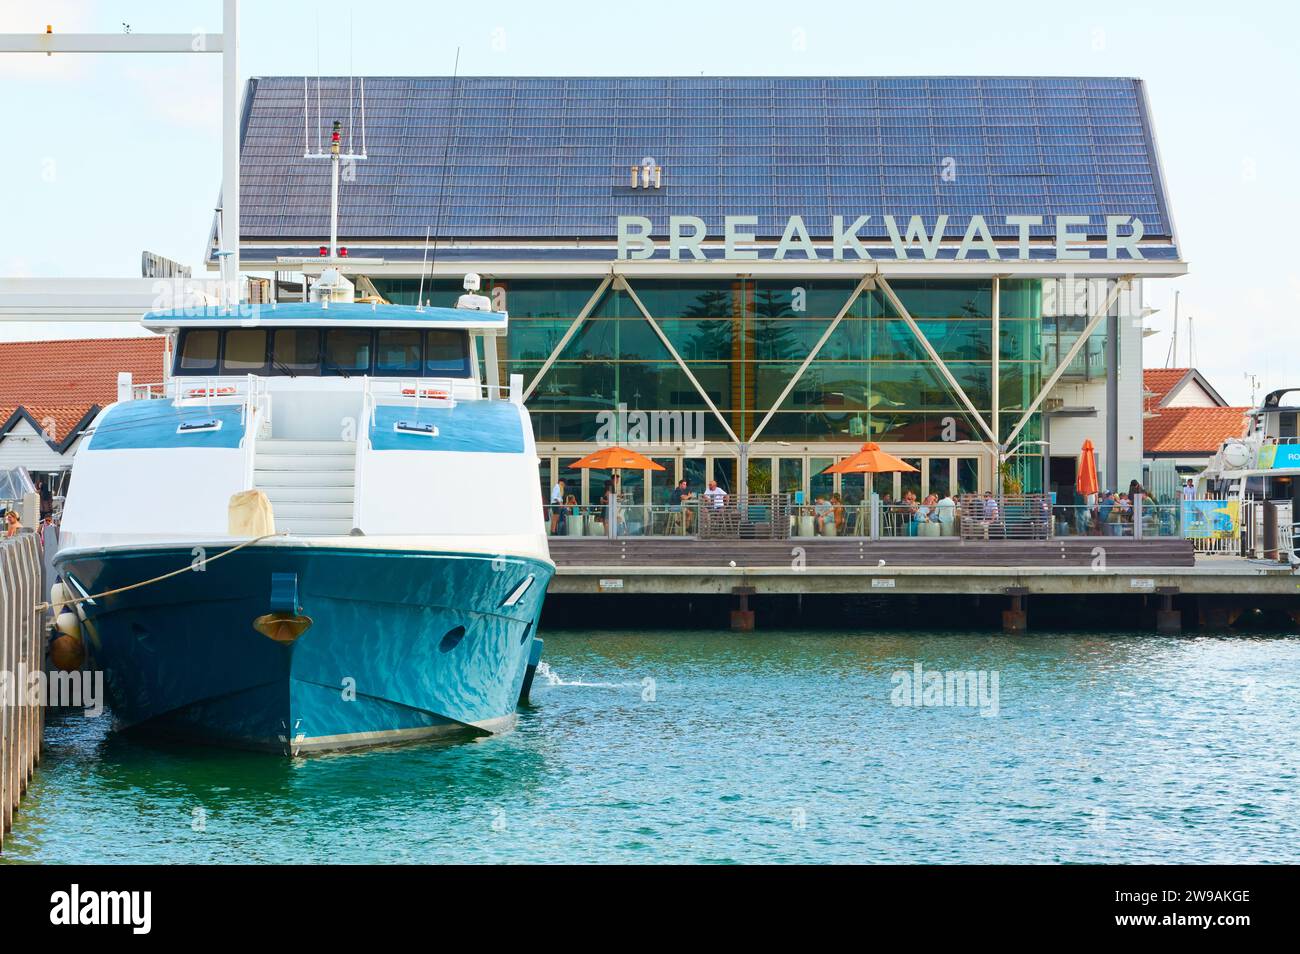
1086 481
615 458
870 460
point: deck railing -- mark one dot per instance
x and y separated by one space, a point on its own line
22 651
1008 517
751 517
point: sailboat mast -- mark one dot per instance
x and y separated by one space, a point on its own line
334 192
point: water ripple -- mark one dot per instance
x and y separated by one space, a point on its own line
774 747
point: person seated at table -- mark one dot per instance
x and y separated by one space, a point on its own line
908 508
715 495
924 512
988 512
841 517
570 509
822 511
946 511
680 503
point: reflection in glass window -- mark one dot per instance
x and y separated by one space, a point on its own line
199 350
397 351
446 352
295 350
968 475
910 481
347 351
940 476
245 350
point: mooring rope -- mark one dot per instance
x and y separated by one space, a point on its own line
192 568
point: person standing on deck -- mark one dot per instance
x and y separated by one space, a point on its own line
557 503
679 502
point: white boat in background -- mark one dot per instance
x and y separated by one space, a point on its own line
1262 467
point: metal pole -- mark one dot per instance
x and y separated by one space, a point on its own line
742 471
996 420
1112 398
334 203
230 132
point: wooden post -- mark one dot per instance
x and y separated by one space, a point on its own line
1015 620
742 618
1168 619
21 653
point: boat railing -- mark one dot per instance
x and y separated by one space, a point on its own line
363 450
255 416
442 392
149 392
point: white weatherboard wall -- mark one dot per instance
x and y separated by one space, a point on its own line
24 446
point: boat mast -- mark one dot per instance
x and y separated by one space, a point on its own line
334 191
335 155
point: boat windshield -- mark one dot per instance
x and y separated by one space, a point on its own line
324 352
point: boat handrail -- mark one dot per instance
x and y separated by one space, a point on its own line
149 392
362 450
253 413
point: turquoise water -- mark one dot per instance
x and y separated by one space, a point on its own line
774 747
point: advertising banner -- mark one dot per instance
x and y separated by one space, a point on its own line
1211 519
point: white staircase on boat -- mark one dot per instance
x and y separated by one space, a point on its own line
310 484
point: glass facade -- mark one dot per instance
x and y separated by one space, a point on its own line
744 340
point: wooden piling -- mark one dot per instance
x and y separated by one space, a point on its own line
22 652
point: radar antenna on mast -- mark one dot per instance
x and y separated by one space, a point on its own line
335 153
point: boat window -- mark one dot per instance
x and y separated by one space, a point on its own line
397 351
295 351
446 351
245 350
347 351
199 350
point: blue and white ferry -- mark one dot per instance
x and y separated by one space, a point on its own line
326 532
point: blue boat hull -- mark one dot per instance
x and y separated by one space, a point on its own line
401 645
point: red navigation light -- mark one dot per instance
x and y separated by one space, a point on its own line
343 252
324 251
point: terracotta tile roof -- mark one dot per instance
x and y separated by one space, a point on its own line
1192 430
58 423
1160 381
57 383
75 373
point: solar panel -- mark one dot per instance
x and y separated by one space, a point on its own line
550 157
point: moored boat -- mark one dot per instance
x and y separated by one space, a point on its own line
326 533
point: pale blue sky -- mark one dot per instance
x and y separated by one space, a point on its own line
107 155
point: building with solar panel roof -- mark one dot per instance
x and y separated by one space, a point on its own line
747 278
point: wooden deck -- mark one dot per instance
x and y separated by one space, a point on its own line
844 552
